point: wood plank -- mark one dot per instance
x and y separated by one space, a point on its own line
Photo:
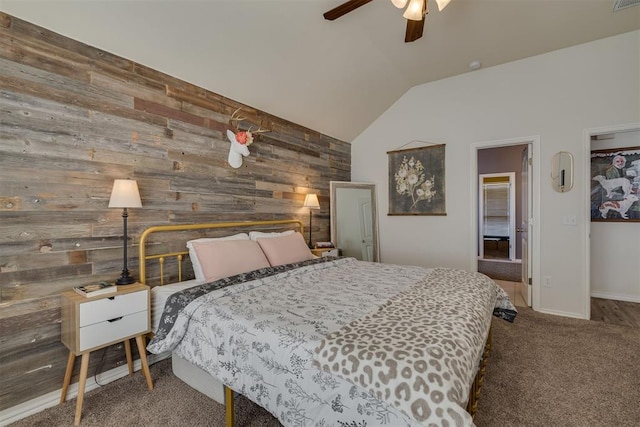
16 248
28 332
5 20
168 112
43 274
34 54
34 305
63 97
622 313
56 43
32 373
21 75
9 233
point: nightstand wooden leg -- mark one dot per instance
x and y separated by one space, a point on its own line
84 366
127 350
67 376
143 360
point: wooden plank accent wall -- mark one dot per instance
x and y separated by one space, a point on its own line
72 119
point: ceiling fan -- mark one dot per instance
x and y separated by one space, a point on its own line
415 13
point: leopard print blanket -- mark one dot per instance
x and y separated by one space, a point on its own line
420 350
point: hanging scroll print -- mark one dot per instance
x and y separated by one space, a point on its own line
417 181
615 185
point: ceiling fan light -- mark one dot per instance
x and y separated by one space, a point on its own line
415 10
442 4
399 3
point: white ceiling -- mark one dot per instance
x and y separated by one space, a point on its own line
336 77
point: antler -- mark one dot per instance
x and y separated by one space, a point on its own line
259 130
236 119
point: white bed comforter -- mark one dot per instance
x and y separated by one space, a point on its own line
260 338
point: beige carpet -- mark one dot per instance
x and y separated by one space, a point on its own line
543 371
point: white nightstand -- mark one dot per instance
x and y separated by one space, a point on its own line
90 324
325 251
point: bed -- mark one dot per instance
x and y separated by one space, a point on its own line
328 341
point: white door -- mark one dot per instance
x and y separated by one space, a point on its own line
366 228
526 225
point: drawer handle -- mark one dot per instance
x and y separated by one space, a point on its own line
115 319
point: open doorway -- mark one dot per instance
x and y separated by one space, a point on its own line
497 225
612 238
508 228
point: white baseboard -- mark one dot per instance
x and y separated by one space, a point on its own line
51 399
617 297
563 313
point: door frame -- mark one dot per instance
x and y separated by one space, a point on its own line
512 211
586 238
534 236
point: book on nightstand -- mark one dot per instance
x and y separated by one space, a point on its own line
95 290
323 245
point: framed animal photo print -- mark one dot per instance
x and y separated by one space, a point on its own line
416 181
615 185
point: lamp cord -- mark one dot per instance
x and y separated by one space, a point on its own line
99 366
310 213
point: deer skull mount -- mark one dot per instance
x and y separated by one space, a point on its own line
240 140
237 151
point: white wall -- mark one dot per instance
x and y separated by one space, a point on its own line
615 246
555 96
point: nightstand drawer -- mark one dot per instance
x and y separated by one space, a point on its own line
325 252
330 252
114 330
109 308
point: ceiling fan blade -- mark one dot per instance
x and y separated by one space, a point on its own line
344 8
414 30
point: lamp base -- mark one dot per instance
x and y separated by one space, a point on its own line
125 279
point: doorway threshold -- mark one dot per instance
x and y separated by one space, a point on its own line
501 269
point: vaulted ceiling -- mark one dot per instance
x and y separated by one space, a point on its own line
336 77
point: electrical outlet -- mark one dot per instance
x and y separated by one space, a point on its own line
547 282
570 220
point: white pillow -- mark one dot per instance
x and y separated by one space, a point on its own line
253 235
197 268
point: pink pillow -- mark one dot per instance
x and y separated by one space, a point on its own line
224 258
285 249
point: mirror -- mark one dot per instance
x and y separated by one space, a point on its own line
562 171
354 220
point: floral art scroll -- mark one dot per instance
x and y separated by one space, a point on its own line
416 181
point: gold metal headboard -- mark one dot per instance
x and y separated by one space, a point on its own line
142 249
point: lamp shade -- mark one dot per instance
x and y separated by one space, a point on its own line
442 4
311 201
415 10
125 194
399 3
